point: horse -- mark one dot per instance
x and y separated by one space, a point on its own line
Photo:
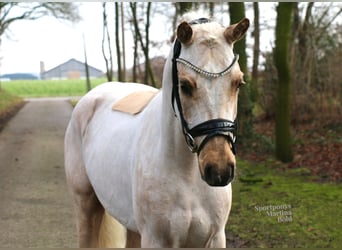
161 177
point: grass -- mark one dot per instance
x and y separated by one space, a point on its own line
49 88
304 213
7 102
9 105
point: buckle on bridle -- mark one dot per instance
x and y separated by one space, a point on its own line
190 141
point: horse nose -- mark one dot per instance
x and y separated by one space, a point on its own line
216 176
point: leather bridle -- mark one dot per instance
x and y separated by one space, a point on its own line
210 128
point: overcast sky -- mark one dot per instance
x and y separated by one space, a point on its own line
54 42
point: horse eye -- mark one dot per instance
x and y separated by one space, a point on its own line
186 87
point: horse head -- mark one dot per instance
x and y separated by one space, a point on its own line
206 81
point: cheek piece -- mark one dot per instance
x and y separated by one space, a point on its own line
210 128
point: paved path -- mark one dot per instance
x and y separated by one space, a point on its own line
35 207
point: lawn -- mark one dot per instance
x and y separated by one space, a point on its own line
45 88
9 104
274 206
8 100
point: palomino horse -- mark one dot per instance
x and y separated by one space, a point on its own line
164 174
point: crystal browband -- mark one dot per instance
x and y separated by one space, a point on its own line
206 73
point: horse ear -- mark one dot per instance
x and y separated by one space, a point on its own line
236 31
185 33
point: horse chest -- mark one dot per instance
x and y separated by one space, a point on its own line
183 216
203 229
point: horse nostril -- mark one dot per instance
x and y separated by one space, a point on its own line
209 171
212 176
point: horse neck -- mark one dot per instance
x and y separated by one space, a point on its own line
174 142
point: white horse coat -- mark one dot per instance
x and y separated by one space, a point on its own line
140 168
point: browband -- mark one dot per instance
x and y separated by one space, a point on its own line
210 128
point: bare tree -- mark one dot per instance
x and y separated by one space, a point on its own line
123 50
135 43
117 41
146 49
315 55
88 84
32 11
256 46
183 7
315 35
105 34
144 45
211 8
11 12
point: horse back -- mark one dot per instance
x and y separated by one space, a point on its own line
102 139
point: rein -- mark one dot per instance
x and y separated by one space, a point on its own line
210 128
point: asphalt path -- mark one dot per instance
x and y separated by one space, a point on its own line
36 209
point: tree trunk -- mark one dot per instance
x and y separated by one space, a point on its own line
109 62
304 59
148 69
256 48
88 84
123 43
135 45
245 114
135 59
281 58
183 7
117 41
147 46
211 9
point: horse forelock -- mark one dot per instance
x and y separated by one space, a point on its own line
209 50
193 15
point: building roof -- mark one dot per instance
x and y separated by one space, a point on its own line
65 69
19 76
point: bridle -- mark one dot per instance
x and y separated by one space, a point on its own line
210 128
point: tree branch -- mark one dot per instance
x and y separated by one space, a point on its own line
33 11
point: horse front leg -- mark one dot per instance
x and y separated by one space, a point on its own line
182 238
161 239
219 241
153 242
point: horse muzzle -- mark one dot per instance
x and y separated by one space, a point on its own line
217 162
215 177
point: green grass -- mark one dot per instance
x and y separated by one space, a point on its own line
8 101
315 208
49 88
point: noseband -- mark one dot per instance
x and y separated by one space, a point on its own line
210 128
